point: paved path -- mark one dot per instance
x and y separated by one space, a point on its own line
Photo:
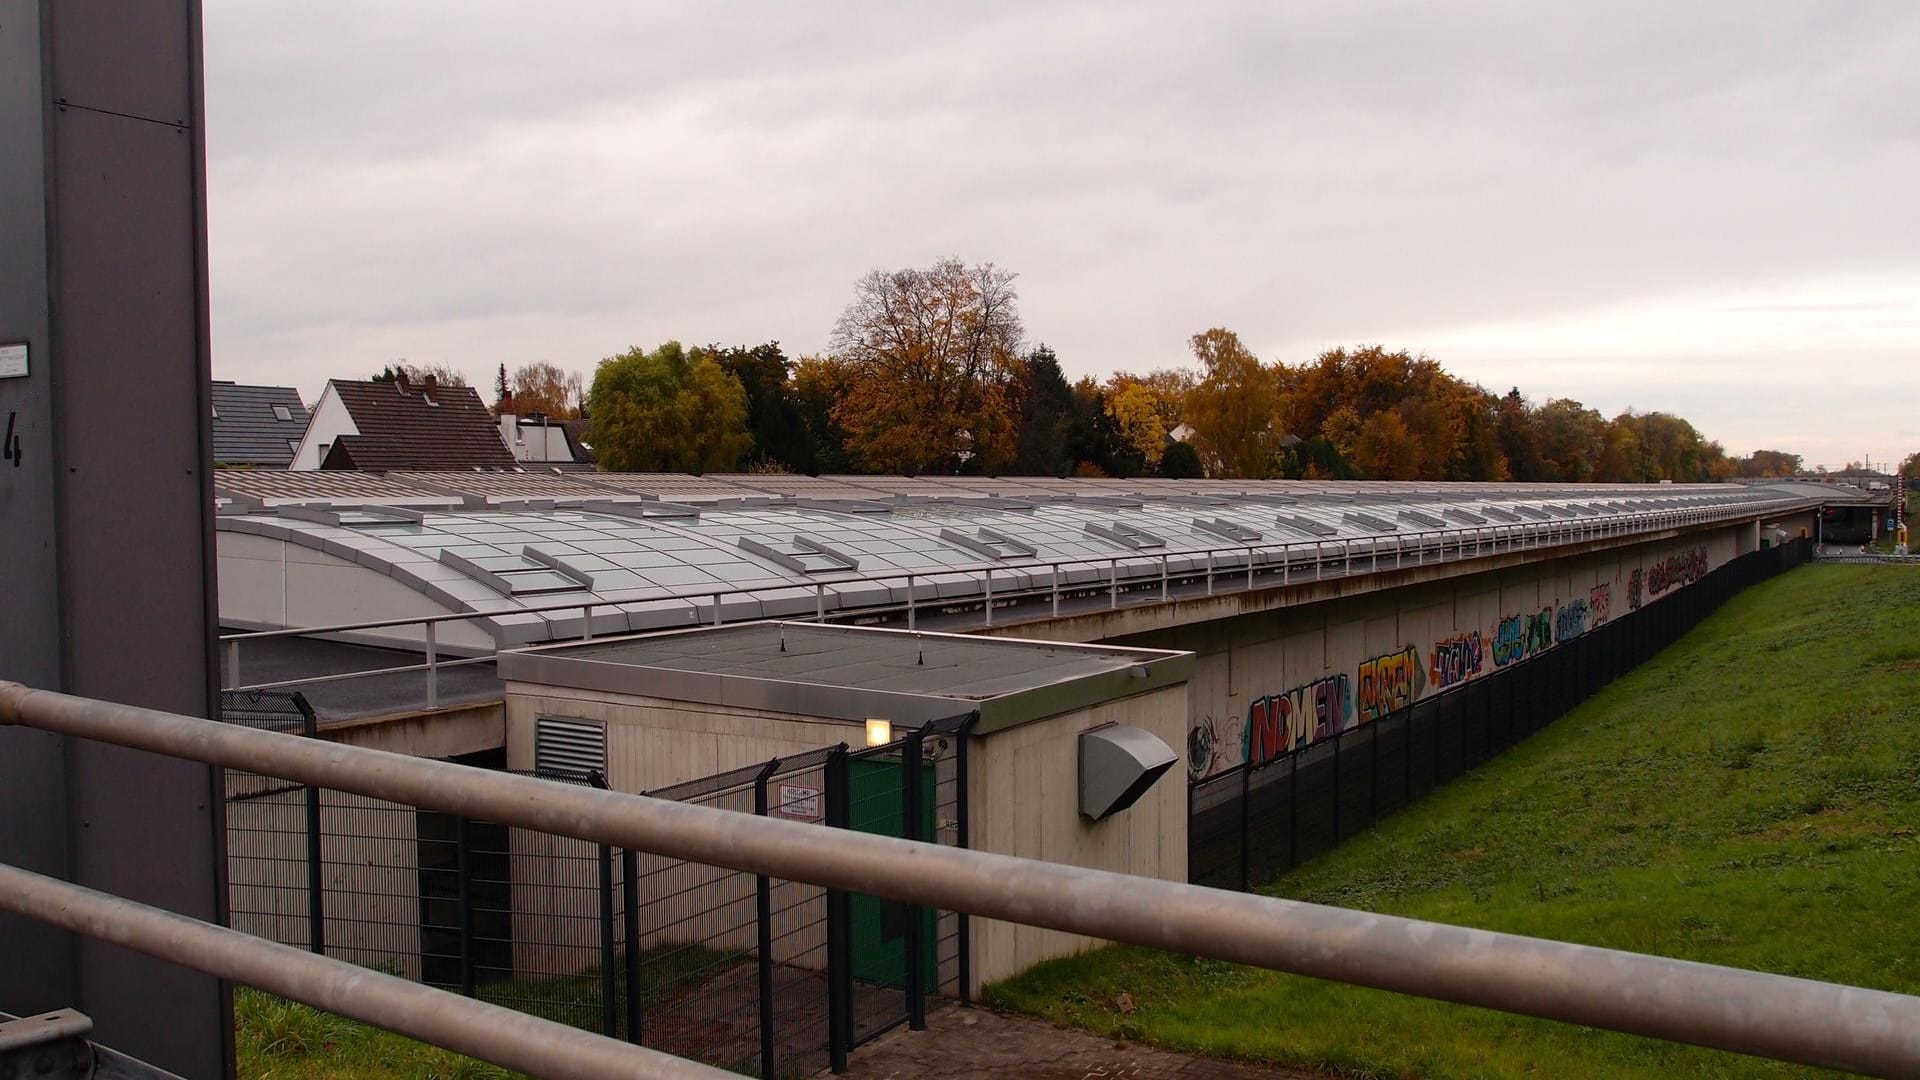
979 1042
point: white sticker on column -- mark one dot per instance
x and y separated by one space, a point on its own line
13 360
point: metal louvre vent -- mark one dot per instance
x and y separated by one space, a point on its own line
568 747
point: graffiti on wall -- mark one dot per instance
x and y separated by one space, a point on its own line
1280 723
1633 589
1456 659
1207 747
1676 570
1600 603
1522 636
1570 621
1389 683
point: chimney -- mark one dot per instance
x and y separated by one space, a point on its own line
430 385
400 380
505 407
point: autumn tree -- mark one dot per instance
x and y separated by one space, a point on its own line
1572 438
1769 463
543 388
668 409
1132 408
1233 408
819 384
934 354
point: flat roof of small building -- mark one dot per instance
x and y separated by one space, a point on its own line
849 672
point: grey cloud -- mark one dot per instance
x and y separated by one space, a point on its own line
502 182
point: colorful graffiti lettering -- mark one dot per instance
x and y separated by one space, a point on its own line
1633 589
1571 621
1676 570
1279 723
1600 602
1456 659
1522 636
1389 683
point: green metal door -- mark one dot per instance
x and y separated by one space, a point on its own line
879 927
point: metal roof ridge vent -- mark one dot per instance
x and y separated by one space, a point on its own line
1415 517
1500 513
1534 512
1368 521
845 506
1121 502
554 563
1123 534
1465 517
393 515
801 548
992 544
1305 526
502 581
651 507
1226 530
318 513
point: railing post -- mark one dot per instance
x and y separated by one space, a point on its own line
1398 543
586 622
819 601
839 929
316 869
1113 583
1249 567
609 984
1346 552
963 944
630 923
910 607
912 795
1055 576
1163 579
989 608
1246 852
763 902
233 664
1209 571
1286 564
463 884
433 666
716 609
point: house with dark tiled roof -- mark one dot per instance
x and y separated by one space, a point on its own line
256 427
400 424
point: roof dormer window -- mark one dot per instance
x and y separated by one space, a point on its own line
280 412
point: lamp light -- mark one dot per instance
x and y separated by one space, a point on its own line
879 732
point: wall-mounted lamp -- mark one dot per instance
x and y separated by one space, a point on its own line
879 732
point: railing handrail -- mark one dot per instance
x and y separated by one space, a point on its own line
1699 515
1776 1016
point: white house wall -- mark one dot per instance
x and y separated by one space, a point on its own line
328 422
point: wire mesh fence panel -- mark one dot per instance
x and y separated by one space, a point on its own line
1389 763
1247 826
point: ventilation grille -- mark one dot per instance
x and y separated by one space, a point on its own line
573 748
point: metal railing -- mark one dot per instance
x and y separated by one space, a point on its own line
1229 568
1775 1016
493 1033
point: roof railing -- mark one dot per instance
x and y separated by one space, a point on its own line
1749 1012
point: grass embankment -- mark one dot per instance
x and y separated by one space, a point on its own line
276 1039
1750 797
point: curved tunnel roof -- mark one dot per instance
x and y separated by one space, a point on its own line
648 551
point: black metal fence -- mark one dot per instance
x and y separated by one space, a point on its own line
761 976
1248 825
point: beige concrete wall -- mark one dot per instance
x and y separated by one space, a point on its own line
653 743
1379 650
428 733
1023 800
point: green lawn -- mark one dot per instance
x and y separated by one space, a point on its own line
1750 797
278 1039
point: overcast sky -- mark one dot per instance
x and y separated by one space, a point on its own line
1709 209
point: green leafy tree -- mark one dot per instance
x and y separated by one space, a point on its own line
1045 405
1233 409
1179 462
669 409
780 434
